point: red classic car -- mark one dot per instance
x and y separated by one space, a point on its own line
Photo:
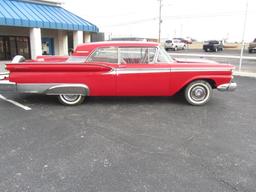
117 69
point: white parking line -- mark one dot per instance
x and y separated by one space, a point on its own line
15 103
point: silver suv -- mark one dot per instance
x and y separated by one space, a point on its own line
174 45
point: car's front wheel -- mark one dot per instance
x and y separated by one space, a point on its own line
198 92
71 100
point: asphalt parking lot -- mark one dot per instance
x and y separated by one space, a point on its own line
130 144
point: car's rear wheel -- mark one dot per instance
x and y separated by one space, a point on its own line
198 92
71 100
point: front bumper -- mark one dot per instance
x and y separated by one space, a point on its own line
227 87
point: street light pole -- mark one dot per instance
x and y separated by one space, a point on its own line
244 31
160 21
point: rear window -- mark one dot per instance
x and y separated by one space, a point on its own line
168 41
213 42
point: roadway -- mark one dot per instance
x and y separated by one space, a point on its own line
247 66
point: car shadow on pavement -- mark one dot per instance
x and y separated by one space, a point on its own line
33 99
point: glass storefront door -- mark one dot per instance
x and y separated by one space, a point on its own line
4 48
47 46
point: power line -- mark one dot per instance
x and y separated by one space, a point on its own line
133 22
189 16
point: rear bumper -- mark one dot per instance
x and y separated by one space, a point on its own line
3 75
7 86
227 87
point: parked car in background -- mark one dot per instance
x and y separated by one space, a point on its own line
252 47
213 45
186 41
174 45
117 69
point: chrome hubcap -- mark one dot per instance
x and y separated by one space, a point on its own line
71 98
198 93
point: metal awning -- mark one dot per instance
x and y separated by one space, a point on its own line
21 13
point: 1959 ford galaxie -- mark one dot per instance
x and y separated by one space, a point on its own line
117 69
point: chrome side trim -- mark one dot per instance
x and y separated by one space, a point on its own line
68 89
141 70
34 88
120 71
198 69
227 87
54 89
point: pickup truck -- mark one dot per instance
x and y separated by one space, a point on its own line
252 47
117 69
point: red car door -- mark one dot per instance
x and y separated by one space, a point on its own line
103 83
139 75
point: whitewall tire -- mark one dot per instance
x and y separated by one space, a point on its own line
71 100
198 92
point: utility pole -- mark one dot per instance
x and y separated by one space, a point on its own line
160 20
244 31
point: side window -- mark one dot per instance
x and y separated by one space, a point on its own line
132 55
106 54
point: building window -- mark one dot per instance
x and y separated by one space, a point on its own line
10 46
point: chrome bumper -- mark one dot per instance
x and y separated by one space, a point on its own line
7 86
3 75
227 87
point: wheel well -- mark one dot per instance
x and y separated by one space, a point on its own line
210 81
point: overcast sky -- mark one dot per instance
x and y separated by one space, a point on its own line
199 19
